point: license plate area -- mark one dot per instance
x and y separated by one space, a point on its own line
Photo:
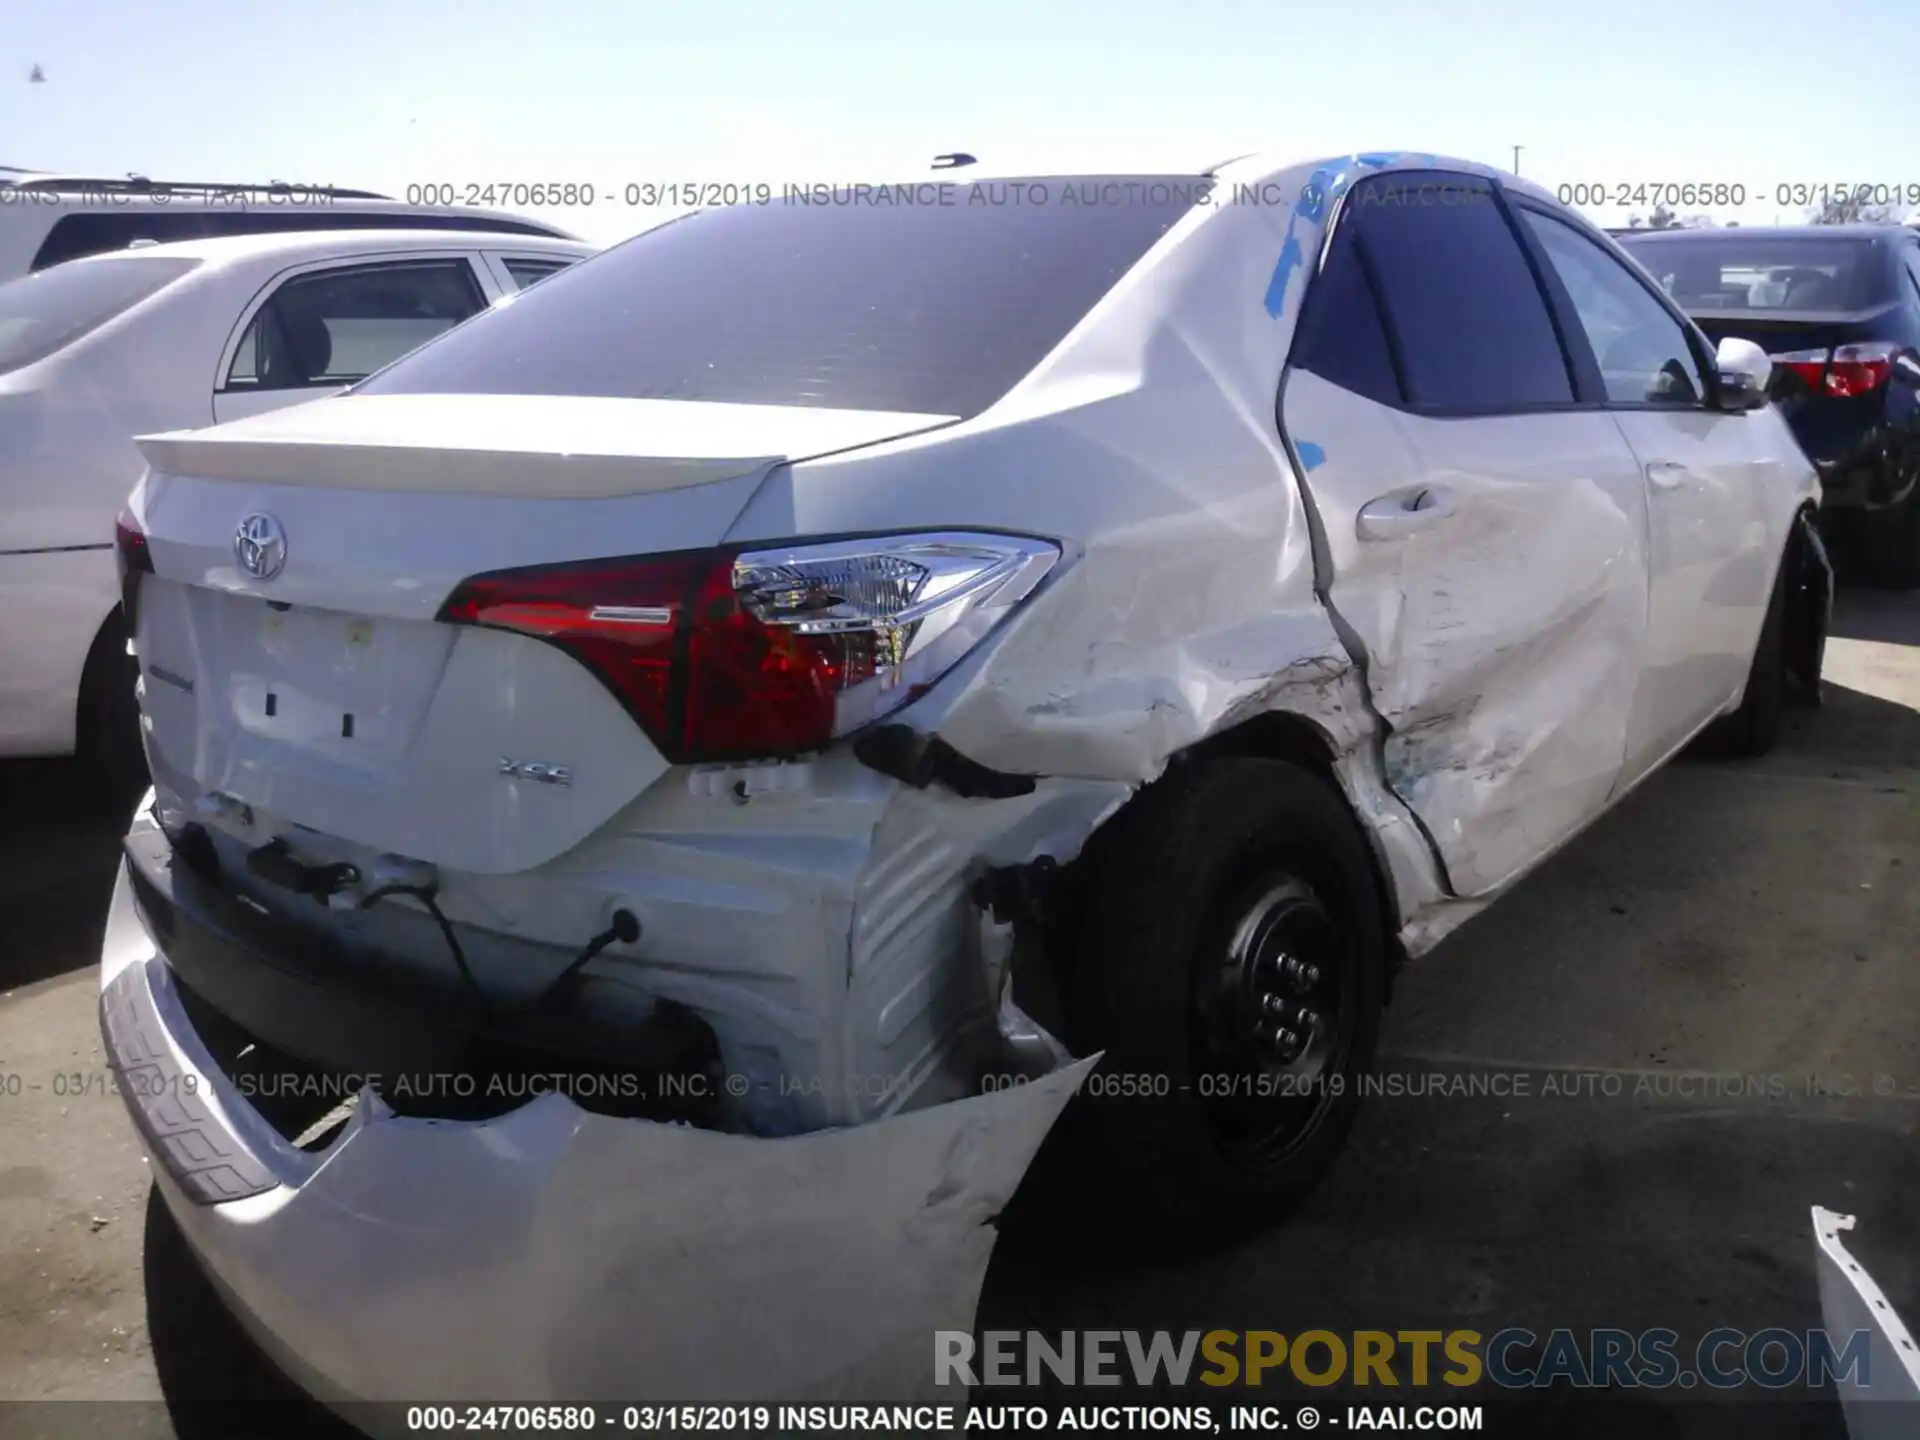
260 714
351 688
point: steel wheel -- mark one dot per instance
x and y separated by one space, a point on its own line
1273 1019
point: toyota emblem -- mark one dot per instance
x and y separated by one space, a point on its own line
260 545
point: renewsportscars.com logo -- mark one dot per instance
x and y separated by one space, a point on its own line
1514 1358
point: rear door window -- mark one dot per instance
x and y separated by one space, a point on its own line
328 328
42 314
847 301
1341 337
1464 313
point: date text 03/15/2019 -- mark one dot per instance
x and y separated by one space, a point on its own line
937 1419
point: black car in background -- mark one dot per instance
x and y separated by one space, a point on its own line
1838 309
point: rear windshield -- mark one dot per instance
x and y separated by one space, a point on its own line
848 302
48 311
1732 272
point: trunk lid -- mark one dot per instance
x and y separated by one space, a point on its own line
327 696
1777 331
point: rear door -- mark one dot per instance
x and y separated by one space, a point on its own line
1483 535
320 328
1712 477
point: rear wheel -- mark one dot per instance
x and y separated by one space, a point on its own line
1232 966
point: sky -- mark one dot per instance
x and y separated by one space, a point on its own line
1771 97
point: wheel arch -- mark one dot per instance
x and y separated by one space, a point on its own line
109 640
1282 735
1297 739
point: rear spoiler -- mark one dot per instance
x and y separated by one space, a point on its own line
535 446
1704 314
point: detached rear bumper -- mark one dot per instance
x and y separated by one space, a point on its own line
552 1254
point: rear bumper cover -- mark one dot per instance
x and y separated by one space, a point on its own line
1864 464
555 1254
1851 1304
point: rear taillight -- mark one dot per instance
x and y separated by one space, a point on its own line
620 618
134 559
1844 371
728 654
1860 369
1809 365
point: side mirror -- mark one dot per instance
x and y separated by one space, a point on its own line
1745 371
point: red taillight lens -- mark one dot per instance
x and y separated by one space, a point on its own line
133 559
131 543
620 618
725 655
1809 365
1860 369
758 689
1843 372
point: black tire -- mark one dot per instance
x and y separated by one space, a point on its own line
1150 985
1893 543
1809 613
1751 731
110 744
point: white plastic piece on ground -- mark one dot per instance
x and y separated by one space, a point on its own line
1850 1302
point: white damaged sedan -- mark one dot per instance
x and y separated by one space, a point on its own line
654 789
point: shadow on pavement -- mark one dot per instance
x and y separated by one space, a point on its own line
59 847
1851 736
1604 1214
1891 617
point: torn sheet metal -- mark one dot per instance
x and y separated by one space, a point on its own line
1881 1398
553 1254
1185 603
820 923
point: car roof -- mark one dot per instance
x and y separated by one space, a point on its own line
1251 168
298 245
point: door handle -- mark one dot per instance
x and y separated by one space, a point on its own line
1392 516
1666 474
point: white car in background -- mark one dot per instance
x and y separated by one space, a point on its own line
48 218
98 350
765 674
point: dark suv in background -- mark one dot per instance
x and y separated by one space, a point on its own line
1838 309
